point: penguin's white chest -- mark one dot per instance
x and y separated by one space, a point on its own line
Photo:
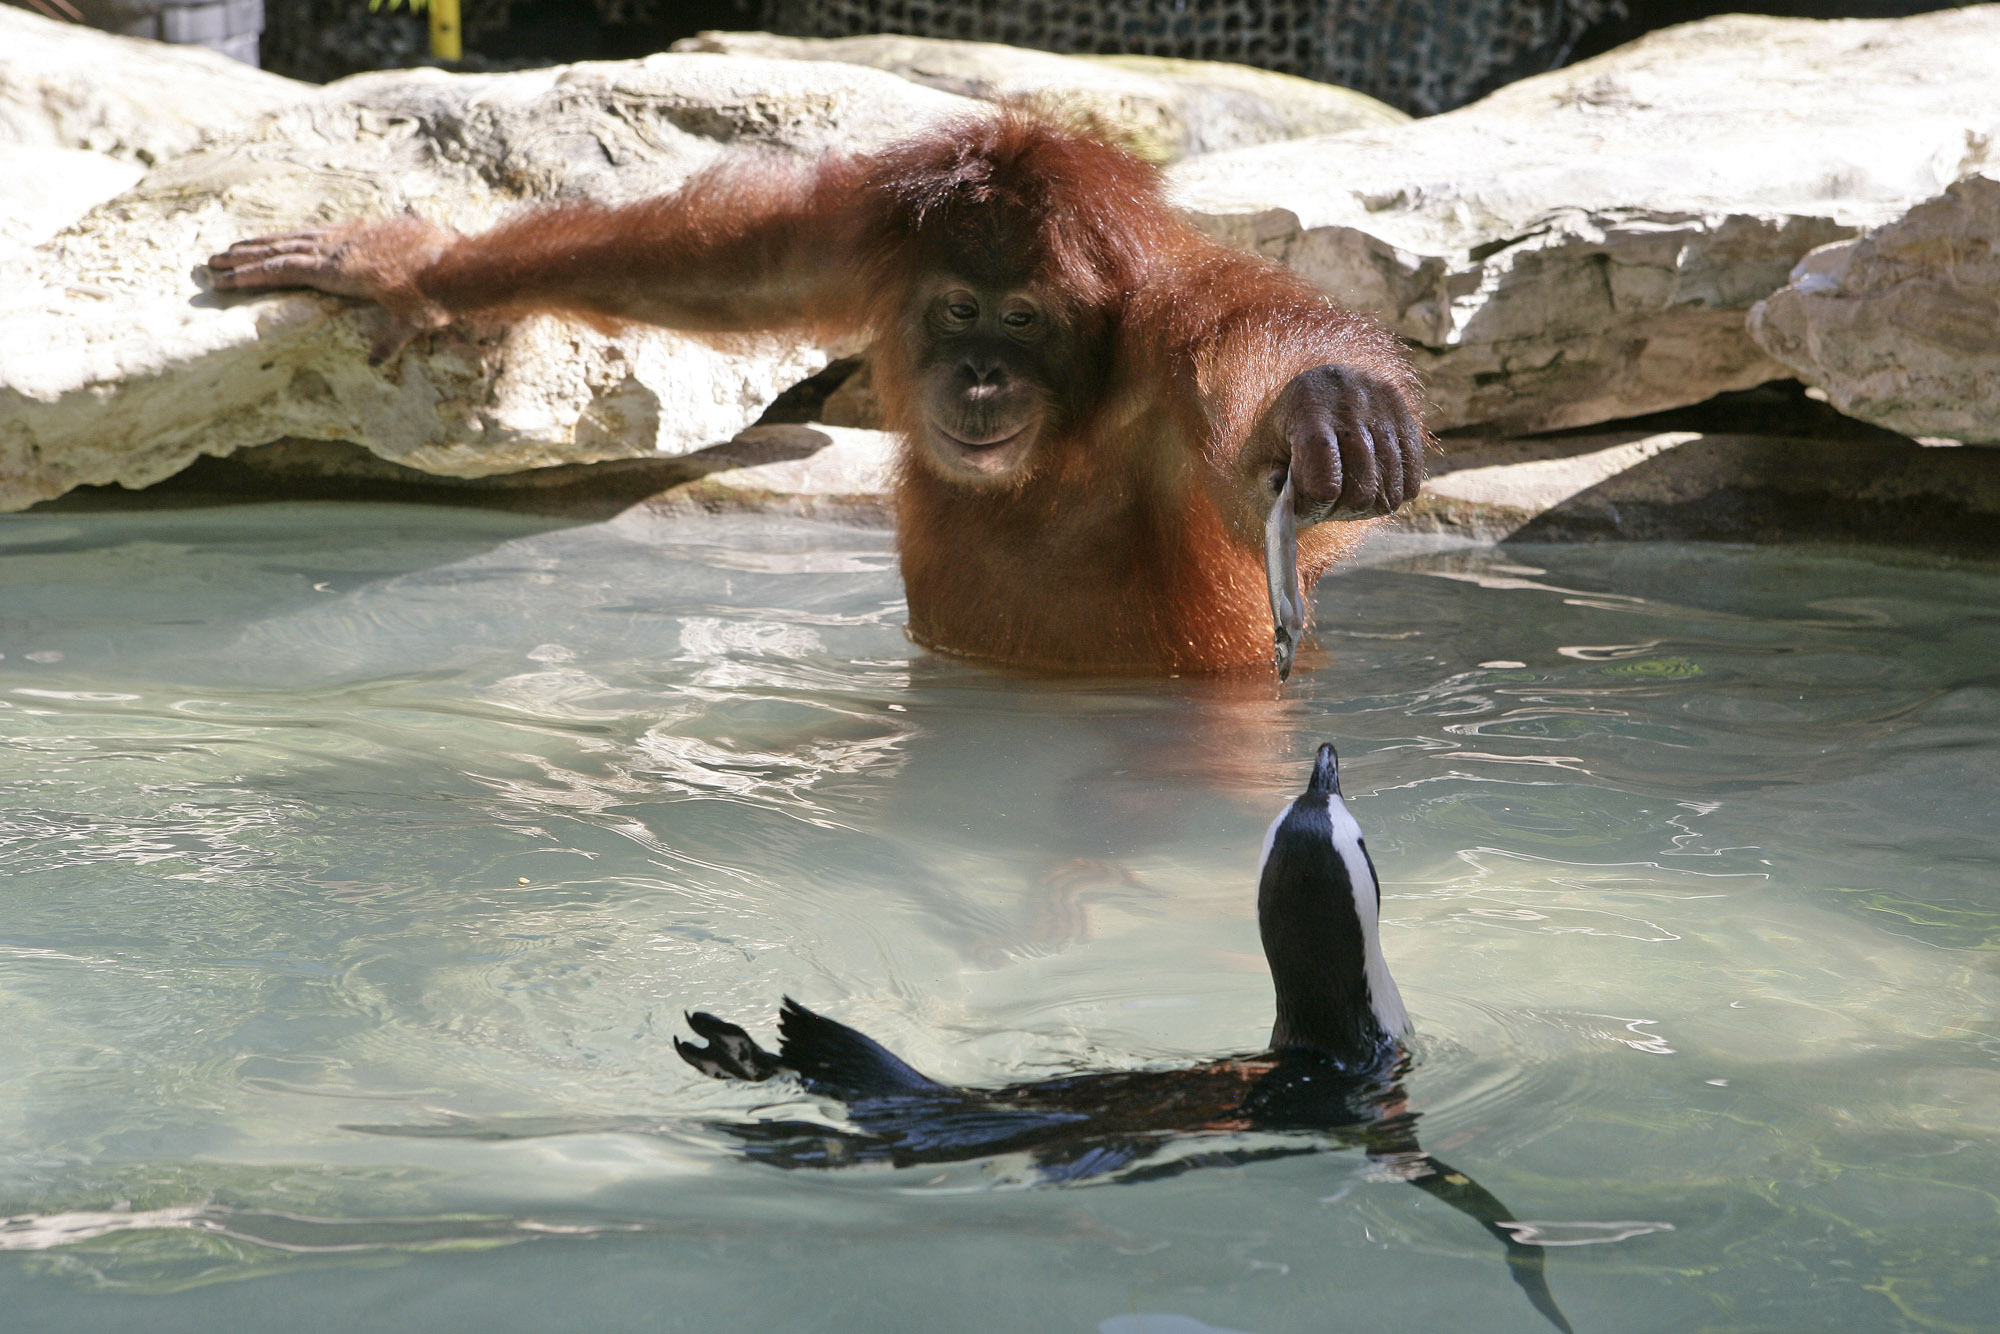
1383 997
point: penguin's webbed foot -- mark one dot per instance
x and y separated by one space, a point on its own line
729 1053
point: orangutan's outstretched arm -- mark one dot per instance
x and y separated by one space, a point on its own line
756 246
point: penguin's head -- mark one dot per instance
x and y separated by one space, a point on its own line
1326 772
1318 909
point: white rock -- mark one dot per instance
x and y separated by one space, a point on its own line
49 188
1583 245
815 470
809 460
117 366
1162 110
1902 328
1727 486
66 86
1534 484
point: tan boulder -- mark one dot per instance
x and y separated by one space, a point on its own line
67 86
1160 109
116 365
49 188
1902 327
1584 245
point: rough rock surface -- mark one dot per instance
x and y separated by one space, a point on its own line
1160 109
65 86
117 366
49 188
1584 245
1902 327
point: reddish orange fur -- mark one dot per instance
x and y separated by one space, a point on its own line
1116 552
1133 541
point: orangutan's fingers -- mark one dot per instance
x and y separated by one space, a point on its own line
1410 441
260 248
282 271
275 238
252 260
1357 445
1361 469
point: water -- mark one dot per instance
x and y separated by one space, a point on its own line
324 817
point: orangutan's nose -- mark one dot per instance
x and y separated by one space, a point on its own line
986 373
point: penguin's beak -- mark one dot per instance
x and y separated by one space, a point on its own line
1326 772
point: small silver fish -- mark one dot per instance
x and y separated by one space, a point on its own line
1281 577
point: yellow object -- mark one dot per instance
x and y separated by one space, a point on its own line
445 43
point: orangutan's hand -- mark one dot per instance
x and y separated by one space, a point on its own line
380 262
1356 444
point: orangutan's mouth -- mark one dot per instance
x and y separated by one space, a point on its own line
980 446
989 458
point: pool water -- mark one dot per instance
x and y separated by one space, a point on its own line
359 862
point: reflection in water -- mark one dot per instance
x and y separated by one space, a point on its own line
294 1233
318 816
1581 1233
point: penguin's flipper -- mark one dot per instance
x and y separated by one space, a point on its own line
836 1060
729 1053
1461 1192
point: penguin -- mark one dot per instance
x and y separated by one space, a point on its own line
1331 1074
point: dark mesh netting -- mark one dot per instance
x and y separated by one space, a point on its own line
1424 56
327 39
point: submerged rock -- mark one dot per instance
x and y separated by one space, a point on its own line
1584 245
116 365
815 471
1157 108
1902 327
818 471
1710 485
